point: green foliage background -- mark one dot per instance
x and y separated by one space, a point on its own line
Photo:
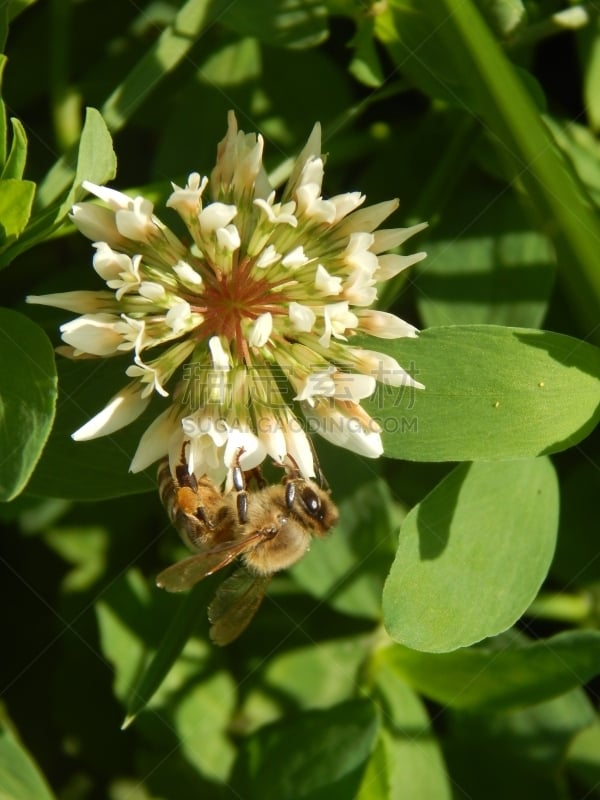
444 641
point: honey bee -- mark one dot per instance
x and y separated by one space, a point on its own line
269 527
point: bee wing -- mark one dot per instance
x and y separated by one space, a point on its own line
185 574
235 604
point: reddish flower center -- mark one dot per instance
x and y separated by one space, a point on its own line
228 299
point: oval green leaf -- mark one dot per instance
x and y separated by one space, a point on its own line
99 468
486 678
415 762
490 393
472 555
27 399
16 199
316 756
17 157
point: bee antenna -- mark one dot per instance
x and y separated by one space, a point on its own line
319 474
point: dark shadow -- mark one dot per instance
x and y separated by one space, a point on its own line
434 520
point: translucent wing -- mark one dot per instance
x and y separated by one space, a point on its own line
184 574
235 604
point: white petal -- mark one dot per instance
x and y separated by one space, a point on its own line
80 302
136 222
311 150
318 383
215 215
178 317
97 223
271 435
187 274
268 256
187 201
298 447
312 172
302 317
154 442
228 238
220 358
108 263
345 203
311 204
152 291
388 238
93 333
358 254
346 431
116 200
383 368
254 450
385 325
391 264
261 330
367 219
295 258
353 386
123 408
326 283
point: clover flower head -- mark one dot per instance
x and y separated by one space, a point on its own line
249 319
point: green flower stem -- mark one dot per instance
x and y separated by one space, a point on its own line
574 608
490 89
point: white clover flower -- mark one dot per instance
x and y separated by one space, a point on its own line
267 284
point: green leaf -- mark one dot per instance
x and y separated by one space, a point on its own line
517 754
96 160
498 271
376 783
316 676
16 199
348 568
17 158
201 719
190 609
27 399
20 778
490 393
472 555
282 23
315 756
487 678
450 52
99 468
415 763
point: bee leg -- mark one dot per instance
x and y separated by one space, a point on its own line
239 484
182 473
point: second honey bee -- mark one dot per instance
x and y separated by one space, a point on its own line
270 527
